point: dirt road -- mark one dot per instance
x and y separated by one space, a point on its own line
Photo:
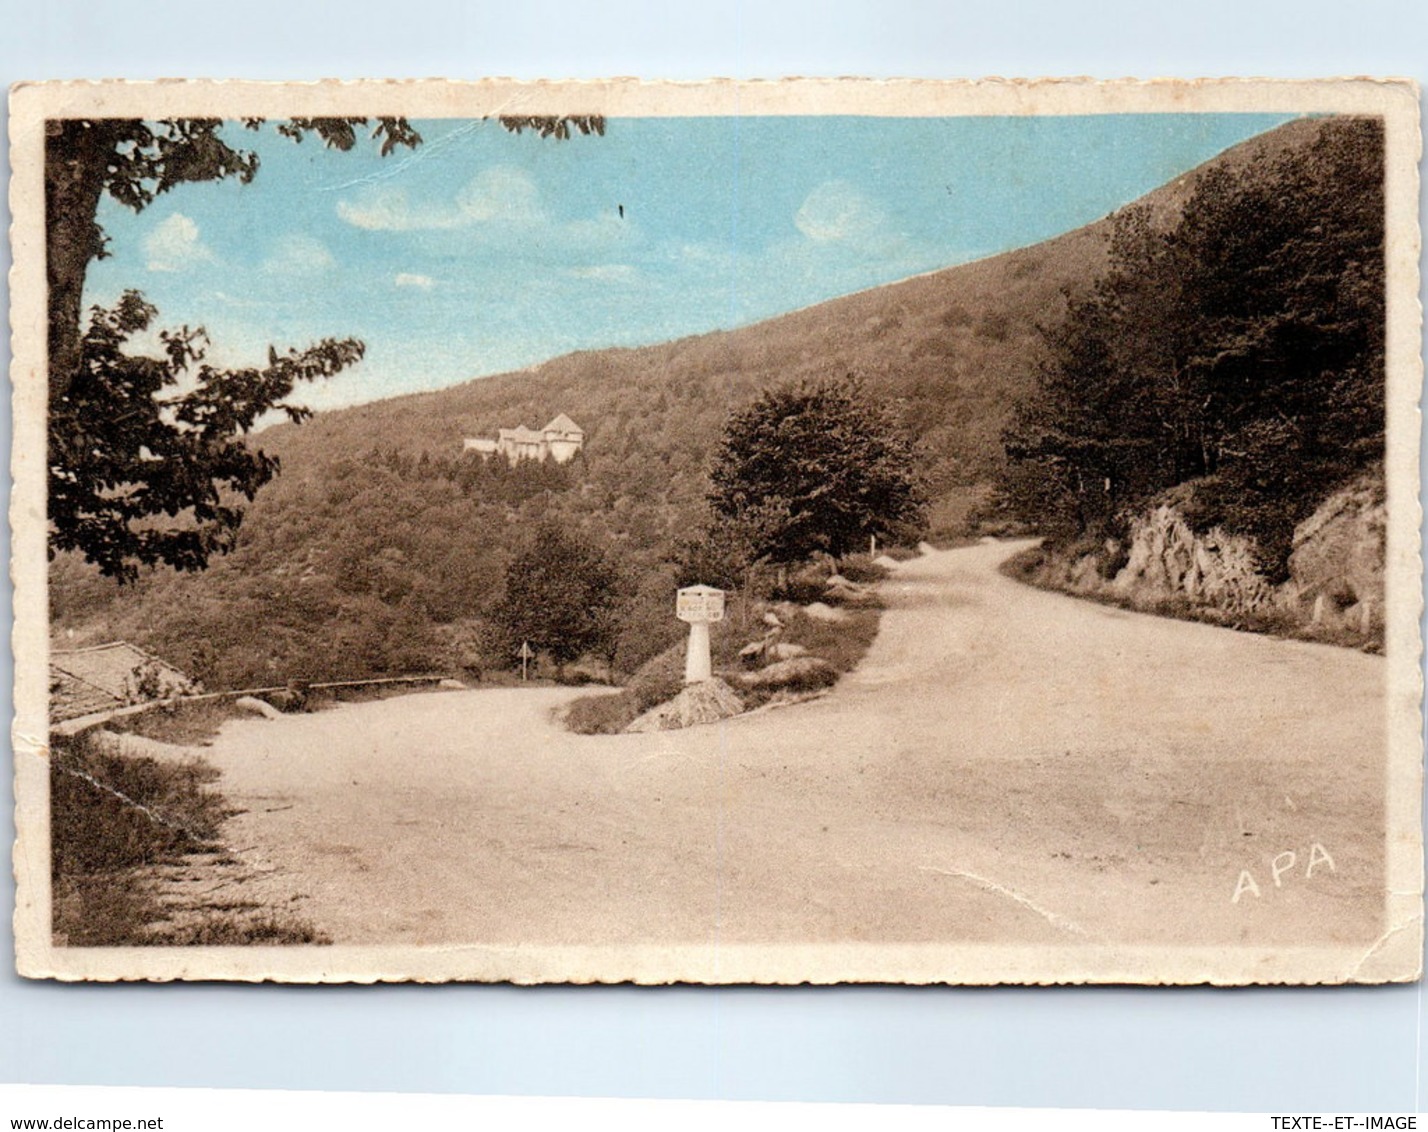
1007 765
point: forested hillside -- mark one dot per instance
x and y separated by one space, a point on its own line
1228 371
380 548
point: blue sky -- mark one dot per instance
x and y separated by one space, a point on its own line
482 252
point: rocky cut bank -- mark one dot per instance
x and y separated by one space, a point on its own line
1334 589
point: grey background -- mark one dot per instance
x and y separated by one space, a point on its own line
1258 1049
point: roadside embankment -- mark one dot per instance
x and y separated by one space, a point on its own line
140 856
1333 591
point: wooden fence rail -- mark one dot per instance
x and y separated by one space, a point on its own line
68 728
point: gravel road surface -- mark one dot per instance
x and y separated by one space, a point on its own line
1007 765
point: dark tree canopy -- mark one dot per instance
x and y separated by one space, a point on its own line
816 466
1240 347
116 478
561 595
141 474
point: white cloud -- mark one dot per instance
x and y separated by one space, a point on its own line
836 212
174 245
606 272
299 255
503 193
500 205
376 214
411 279
387 211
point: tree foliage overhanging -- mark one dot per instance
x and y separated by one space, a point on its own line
815 467
1240 347
122 455
140 473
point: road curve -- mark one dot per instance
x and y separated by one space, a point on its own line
1006 766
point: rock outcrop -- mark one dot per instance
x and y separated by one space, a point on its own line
257 707
1335 589
1214 568
1336 567
800 674
840 590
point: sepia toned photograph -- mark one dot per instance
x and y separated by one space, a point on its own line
788 532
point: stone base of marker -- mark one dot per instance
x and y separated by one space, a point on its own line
708 701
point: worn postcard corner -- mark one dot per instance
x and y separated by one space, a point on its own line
802 532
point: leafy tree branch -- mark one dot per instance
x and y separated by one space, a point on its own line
140 473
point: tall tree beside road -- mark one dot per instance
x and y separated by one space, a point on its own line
829 462
562 596
1240 347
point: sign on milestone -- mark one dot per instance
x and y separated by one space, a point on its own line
697 604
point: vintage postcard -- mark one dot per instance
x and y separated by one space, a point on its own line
739 532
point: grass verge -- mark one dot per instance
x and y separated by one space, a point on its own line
116 817
610 713
184 723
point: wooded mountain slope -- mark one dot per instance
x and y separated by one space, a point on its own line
379 546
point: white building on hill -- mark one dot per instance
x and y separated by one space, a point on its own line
560 440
